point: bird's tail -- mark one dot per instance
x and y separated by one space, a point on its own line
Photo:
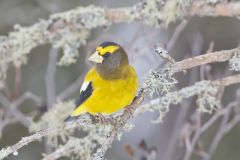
75 114
70 118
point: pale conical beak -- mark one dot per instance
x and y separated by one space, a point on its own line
95 57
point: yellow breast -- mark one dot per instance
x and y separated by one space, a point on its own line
111 95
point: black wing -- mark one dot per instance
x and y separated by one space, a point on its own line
84 94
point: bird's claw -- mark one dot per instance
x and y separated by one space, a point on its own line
129 110
101 118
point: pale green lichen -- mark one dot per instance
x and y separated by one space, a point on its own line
54 117
87 147
174 9
73 32
159 82
70 44
206 92
162 107
84 17
206 101
92 146
68 30
18 44
19 40
128 127
71 37
149 12
158 12
78 148
98 155
234 62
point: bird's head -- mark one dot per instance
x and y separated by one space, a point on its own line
109 57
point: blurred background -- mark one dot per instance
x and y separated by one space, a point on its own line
195 37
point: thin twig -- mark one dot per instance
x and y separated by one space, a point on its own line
50 76
107 16
224 128
219 56
218 136
124 117
178 30
51 131
11 108
185 105
18 78
118 125
36 136
30 96
206 126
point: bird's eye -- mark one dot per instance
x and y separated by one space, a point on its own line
106 55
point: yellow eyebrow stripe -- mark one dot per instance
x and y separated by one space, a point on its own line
107 49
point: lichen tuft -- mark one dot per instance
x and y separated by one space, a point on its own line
235 62
159 12
159 82
54 117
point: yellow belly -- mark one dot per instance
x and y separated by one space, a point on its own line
109 96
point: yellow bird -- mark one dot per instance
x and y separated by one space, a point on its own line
110 85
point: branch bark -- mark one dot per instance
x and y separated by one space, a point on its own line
219 56
183 65
47 31
50 76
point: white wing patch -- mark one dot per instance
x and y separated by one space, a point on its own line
84 86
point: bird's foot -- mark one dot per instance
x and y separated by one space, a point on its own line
102 119
129 110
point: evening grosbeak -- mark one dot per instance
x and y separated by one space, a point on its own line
108 86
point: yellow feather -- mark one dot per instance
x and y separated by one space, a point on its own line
110 95
107 49
79 110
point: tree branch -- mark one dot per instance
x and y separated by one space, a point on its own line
219 56
125 116
50 76
14 47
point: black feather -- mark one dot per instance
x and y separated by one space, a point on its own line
70 118
105 44
83 97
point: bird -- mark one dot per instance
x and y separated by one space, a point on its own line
109 86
